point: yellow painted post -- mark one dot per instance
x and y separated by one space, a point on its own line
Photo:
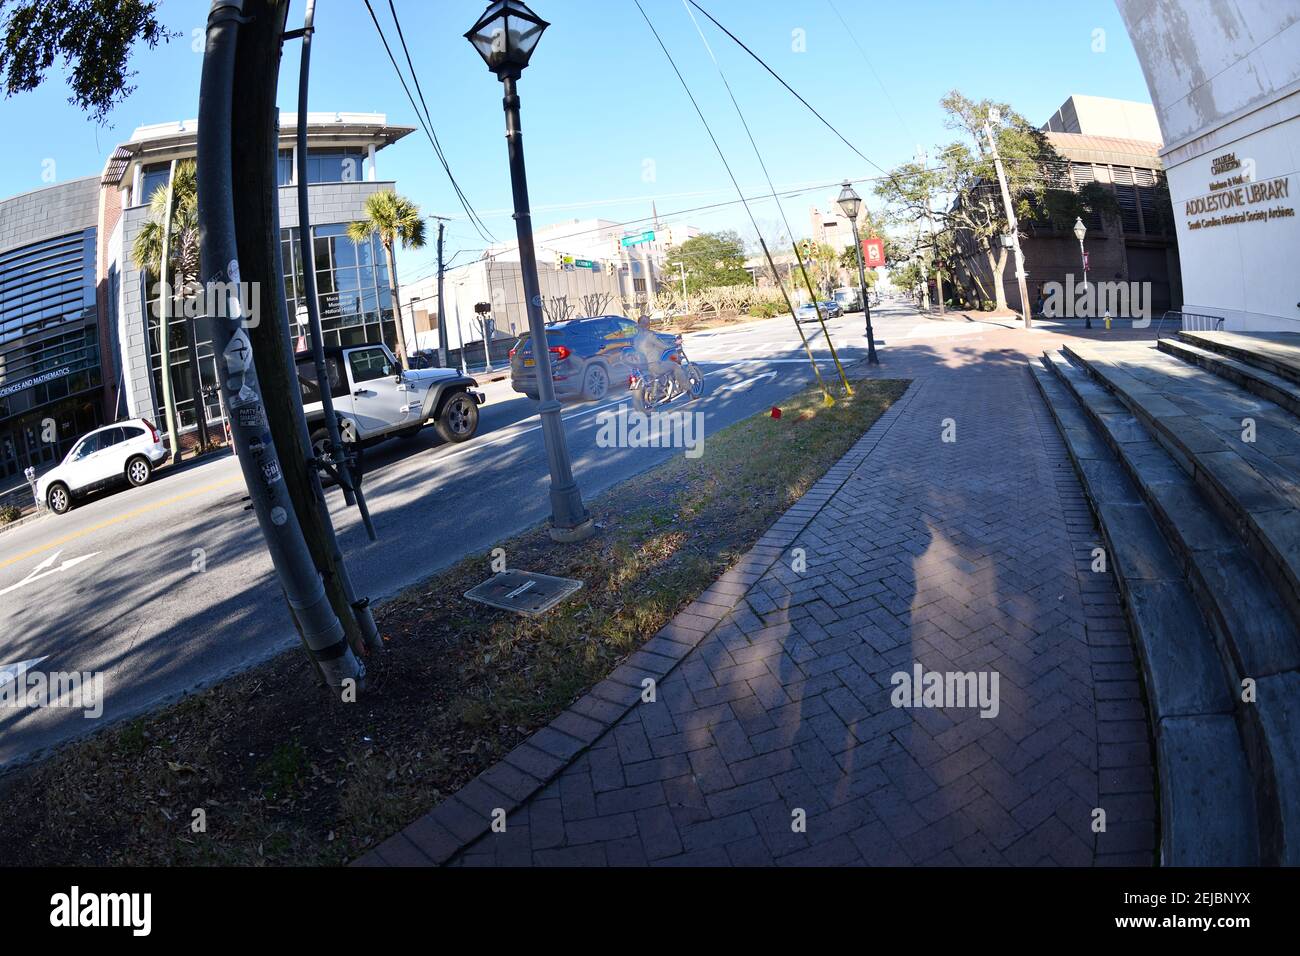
848 389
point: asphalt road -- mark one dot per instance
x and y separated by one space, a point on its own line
167 587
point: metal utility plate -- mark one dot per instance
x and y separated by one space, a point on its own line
524 592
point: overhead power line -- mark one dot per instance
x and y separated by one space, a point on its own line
426 122
743 201
867 60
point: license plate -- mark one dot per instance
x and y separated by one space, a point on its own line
529 363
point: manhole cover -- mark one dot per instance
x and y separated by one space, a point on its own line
524 592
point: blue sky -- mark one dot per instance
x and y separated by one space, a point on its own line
607 126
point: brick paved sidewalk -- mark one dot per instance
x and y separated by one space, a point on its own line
773 690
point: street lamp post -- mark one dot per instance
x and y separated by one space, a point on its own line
505 37
851 203
1080 230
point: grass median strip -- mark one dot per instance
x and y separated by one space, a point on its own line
278 774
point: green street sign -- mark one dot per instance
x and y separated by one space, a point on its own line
584 264
636 240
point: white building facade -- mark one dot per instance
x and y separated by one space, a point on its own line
1225 79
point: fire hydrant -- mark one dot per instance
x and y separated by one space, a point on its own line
1106 316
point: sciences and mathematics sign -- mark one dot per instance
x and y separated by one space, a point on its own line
26 383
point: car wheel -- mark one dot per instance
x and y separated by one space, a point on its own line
59 498
458 420
320 439
595 384
138 470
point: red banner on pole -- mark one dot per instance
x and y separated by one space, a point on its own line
873 252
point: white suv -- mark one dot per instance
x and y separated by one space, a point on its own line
126 451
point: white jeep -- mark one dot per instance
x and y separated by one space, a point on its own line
375 399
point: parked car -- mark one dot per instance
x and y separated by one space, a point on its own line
122 453
374 398
848 299
586 356
808 312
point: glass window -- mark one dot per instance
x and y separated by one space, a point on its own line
89 445
369 364
284 167
154 177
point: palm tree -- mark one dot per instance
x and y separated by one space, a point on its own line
174 223
393 218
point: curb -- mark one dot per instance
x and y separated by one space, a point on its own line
25 519
465 816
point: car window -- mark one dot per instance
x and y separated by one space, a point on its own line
369 364
110 436
311 388
89 445
131 432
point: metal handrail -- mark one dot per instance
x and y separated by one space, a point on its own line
1200 322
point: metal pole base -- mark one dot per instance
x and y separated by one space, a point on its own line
571 535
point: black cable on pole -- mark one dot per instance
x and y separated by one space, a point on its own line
465 204
433 133
867 60
825 122
821 319
723 156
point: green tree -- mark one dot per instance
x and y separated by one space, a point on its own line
394 219
710 259
971 212
92 38
173 222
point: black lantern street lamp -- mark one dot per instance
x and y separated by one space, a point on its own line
505 37
851 203
1080 230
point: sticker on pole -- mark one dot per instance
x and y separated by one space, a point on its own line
523 592
238 352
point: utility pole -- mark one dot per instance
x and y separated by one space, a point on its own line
934 245
259 459
1013 226
442 323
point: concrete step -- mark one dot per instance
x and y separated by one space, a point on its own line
1274 388
1275 352
1208 805
1254 634
1258 636
1197 419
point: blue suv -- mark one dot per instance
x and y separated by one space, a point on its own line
586 356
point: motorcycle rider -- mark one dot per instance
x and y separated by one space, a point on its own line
650 349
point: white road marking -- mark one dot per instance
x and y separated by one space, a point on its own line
744 383
9 671
47 568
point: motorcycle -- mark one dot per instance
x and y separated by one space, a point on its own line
651 391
